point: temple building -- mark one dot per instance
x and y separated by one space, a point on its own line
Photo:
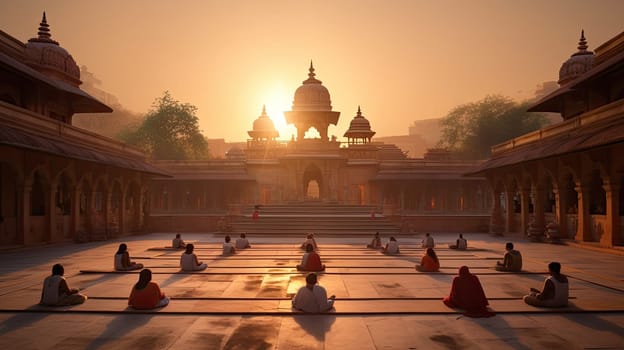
62 183
567 178
428 193
59 182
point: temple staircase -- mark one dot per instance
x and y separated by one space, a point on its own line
322 219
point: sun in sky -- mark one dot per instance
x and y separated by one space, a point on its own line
277 100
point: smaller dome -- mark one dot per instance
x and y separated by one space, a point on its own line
48 57
359 128
312 95
263 127
235 153
579 63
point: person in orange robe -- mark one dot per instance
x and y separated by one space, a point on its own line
467 293
146 294
429 262
310 261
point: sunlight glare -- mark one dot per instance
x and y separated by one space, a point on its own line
277 101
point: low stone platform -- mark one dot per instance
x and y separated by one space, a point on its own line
243 301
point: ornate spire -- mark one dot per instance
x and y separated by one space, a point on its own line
582 46
311 76
359 112
263 111
44 35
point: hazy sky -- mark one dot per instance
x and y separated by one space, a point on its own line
400 60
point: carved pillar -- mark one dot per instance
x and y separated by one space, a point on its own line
496 222
122 212
611 235
75 212
583 230
23 234
561 203
525 197
536 231
49 229
509 214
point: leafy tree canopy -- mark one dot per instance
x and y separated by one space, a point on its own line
170 130
471 129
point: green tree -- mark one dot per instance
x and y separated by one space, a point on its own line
170 130
471 129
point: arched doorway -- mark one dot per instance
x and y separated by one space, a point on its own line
312 183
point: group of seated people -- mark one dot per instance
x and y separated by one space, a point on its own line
392 247
466 290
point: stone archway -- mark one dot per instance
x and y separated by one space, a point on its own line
9 210
312 183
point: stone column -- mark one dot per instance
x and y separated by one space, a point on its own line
561 203
75 212
122 212
611 235
509 215
525 197
49 229
536 231
23 215
496 222
583 229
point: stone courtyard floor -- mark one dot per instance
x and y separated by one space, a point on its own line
243 301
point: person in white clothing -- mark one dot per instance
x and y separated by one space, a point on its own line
392 247
555 292
189 261
228 247
312 297
427 242
460 244
178 242
56 292
242 242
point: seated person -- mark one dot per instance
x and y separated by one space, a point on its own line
310 261
146 294
460 244
56 292
392 247
312 297
242 242
228 247
122 260
429 262
427 242
467 293
512 262
375 243
309 240
555 292
189 261
177 242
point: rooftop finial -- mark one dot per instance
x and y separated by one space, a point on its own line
264 110
44 28
311 74
582 46
359 112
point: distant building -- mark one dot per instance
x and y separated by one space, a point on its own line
570 174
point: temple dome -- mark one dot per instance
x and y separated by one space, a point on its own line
263 127
312 95
48 57
579 63
359 128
